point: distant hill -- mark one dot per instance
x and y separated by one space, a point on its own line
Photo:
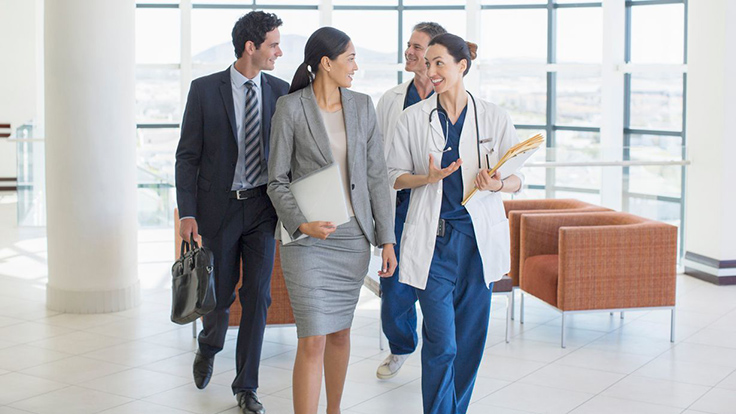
293 47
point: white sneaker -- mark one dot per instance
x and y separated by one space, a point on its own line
391 366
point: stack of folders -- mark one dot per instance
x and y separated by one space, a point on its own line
514 158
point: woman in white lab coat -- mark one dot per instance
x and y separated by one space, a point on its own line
442 149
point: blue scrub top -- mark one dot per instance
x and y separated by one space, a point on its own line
412 95
452 186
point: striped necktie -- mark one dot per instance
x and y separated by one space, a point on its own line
252 128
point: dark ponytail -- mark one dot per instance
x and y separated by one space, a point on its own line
458 48
325 41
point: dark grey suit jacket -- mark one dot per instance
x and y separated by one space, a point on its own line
299 146
208 147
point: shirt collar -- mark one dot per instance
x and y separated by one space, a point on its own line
239 80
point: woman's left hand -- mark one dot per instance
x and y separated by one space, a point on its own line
486 182
388 261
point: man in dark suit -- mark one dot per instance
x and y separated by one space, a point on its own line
221 177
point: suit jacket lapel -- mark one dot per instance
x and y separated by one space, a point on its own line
350 113
315 124
227 99
266 105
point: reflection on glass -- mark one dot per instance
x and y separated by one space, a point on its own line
372 46
523 93
533 175
156 156
654 209
656 101
591 198
157 95
374 82
575 146
655 148
580 35
658 34
31 178
578 99
513 36
662 180
157 36
454 21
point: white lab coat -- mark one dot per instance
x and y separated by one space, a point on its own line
388 111
414 139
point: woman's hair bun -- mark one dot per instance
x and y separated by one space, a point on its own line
473 48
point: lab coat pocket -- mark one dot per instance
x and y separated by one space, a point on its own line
494 250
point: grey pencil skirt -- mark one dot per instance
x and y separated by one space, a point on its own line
324 279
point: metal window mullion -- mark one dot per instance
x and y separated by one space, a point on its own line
400 74
683 142
627 113
551 97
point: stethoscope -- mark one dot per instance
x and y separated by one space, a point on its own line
447 127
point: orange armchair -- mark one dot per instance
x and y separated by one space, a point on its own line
604 261
515 209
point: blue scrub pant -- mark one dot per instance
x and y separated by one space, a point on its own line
398 301
456 305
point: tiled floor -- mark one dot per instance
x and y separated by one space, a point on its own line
137 362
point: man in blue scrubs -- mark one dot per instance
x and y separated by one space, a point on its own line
398 304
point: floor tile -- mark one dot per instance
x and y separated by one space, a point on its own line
78 342
506 369
20 357
404 400
142 407
655 391
74 370
530 350
572 378
536 399
181 365
618 341
71 400
135 383
687 372
715 337
609 405
134 353
717 401
81 322
618 362
25 332
729 382
15 387
706 354
213 399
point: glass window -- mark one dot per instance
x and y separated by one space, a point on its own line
374 81
575 146
662 180
157 95
454 21
434 2
212 35
592 198
157 36
513 36
156 194
372 46
578 99
523 93
580 35
658 34
654 209
506 2
365 2
656 101
533 175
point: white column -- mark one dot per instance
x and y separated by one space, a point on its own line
91 155
612 101
710 221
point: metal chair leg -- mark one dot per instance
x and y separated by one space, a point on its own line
194 329
521 309
622 315
513 302
563 329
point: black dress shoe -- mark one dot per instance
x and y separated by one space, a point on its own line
249 403
202 370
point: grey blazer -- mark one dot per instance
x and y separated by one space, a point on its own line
299 145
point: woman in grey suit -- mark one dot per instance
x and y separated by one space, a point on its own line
320 123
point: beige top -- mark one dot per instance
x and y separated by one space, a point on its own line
335 126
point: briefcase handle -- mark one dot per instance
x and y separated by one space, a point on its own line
185 245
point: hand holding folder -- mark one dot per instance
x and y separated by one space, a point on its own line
512 161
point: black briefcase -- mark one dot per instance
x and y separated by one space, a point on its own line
193 284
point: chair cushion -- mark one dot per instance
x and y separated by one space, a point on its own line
503 285
540 277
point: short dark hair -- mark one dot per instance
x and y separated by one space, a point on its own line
253 26
431 29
